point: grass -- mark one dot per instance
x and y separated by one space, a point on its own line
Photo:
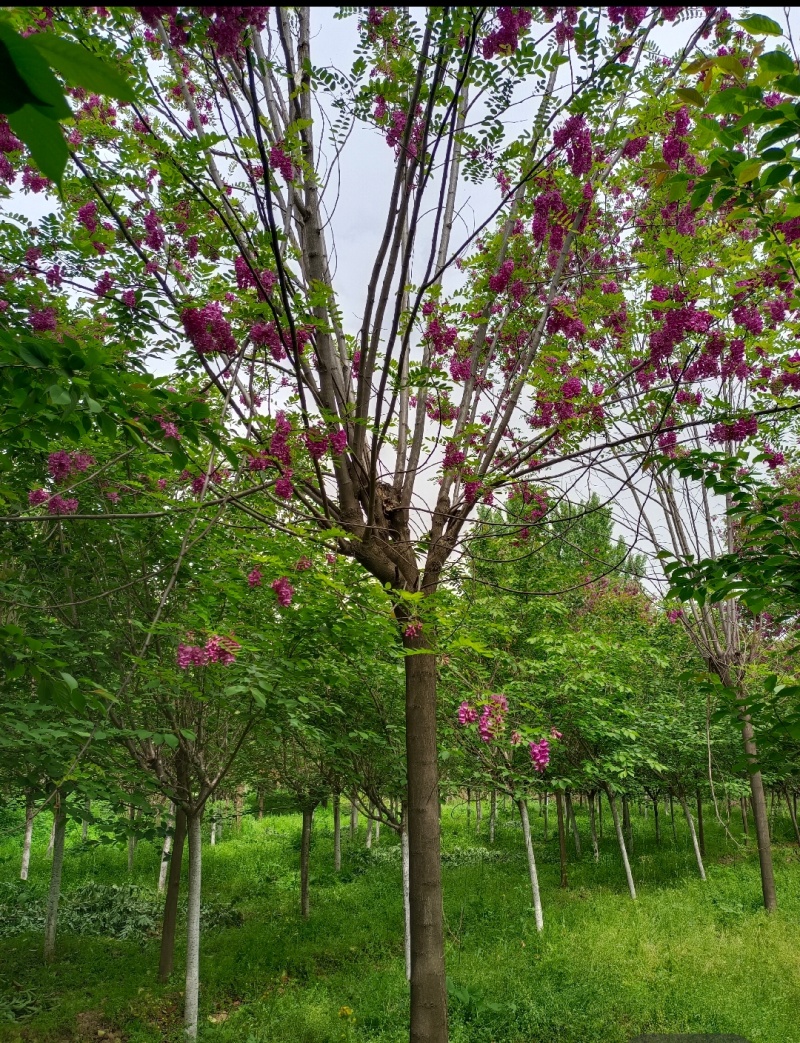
686 957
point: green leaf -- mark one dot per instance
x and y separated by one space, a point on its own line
70 681
44 138
760 25
36 73
748 170
701 194
81 68
694 97
14 91
730 64
776 61
789 84
59 396
776 174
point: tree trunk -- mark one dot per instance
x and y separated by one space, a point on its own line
406 898
526 832
377 836
696 846
592 829
238 804
701 833
260 805
792 815
600 814
87 807
337 833
478 812
167 957
131 838
469 808
369 827
192 994
493 815
562 840
353 815
305 850
546 813
52 837
162 873
743 808
759 810
51 917
26 843
621 841
672 817
656 819
627 825
576 837
213 829
428 994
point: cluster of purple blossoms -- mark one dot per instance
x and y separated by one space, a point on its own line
62 464
738 431
540 754
284 591
629 16
634 147
440 336
155 237
575 137
674 615
453 456
498 282
505 38
217 650
208 329
773 457
55 504
467 714
254 578
229 24
104 284
460 369
492 720
44 320
169 428
87 216
281 161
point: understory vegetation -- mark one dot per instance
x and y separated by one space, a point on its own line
688 956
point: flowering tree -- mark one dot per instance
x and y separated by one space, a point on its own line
199 219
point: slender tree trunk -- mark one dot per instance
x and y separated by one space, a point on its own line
478 812
192 994
239 806
493 815
592 829
428 994
701 833
600 814
656 819
305 850
626 821
743 809
353 815
131 838
792 814
337 833
526 832
759 804
369 827
167 956
621 841
213 830
87 807
695 844
260 805
546 813
672 817
469 809
562 840
406 899
377 836
26 843
53 898
162 873
52 837
576 837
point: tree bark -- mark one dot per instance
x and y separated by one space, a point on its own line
52 837
87 807
337 833
54 896
478 812
493 815
656 819
627 825
526 832
576 837
792 814
562 840
353 815
406 898
546 814
167 956
621 841
369 827
469 809
192 994
672 817
592 829
701 833
759 805
428 993
26 843
162 873
743 808
238 804
305 850
260 805
131 838
695 844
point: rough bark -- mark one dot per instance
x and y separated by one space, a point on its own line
695 843
406 900
621 841
26 843
337 833
167 955
260 805
526 832
759 805
562 839
192 993
54 896
428 994
305 850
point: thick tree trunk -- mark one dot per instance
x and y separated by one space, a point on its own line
493 816
337 833
192 994
54 896
592 828
526 832
621 841
701 833
305 850
576 837
428 993
695 844
26 843
162 873
759 804
792 815
353 815
562 839
406 898
167 956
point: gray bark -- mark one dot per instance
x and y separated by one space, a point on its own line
53 898
621 841
192 993
26 843
526 832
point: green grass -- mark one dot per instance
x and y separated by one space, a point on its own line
687 957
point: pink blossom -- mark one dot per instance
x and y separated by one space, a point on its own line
58 505
467 714
284 591
208 329
303 564
540 754
414 629
254 578
279 160
87 216
37 497
43 321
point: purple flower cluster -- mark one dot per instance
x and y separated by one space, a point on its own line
467 714
229 24
505 38
500 280
254 578
414 629
630 16
61 464
574 136
208 329
738 431
87 216
284 591
43 321
281 161
492 720
540 754
217 650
